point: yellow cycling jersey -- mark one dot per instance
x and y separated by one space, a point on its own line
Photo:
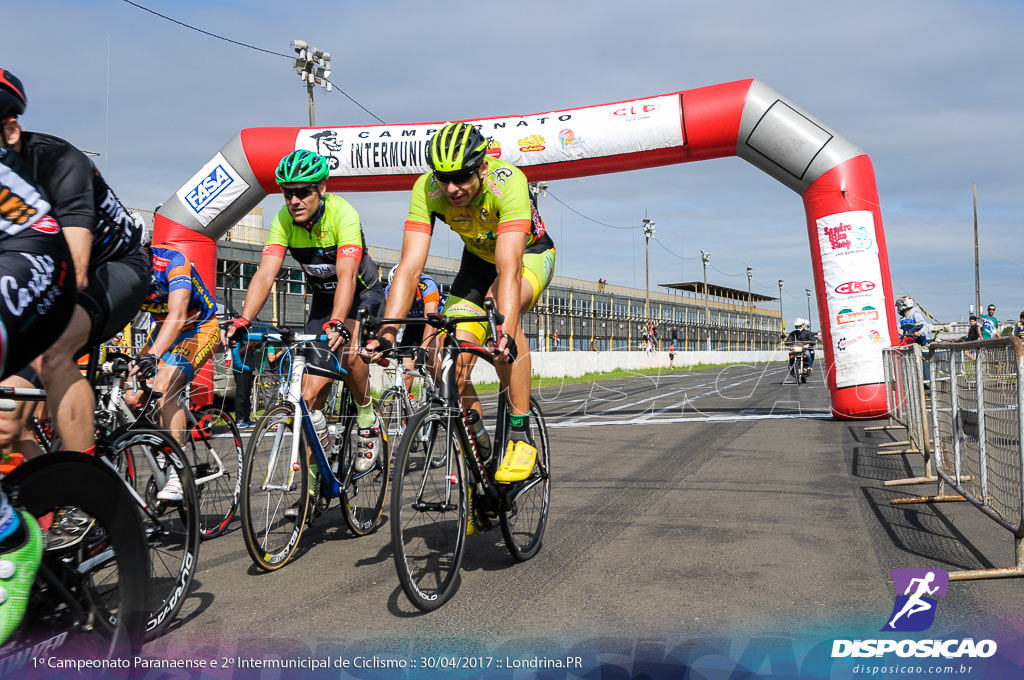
504 203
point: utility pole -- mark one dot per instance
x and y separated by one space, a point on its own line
977 270
705 257
782 319
314 67
750 307
808 304
648 226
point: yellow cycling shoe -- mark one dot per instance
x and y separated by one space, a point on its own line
470 527
518 463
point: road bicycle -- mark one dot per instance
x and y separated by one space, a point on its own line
443 486
211 442
279 498
144 456
396 402
88 599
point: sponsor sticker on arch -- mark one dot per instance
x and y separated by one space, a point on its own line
854 296
212 189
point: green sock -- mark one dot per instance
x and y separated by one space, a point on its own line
313 472
520 428
364 414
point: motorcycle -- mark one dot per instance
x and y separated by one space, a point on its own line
799 359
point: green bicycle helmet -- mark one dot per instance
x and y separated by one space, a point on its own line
456 147
302 166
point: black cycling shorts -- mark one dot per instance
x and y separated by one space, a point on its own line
320 309
37 295
115 293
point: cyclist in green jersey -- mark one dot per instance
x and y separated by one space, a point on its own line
507 256
322 232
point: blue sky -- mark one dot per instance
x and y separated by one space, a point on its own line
931 90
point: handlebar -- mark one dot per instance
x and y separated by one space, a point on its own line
370 325
284 337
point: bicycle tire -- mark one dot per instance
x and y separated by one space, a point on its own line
270 537
362 493
218 497
110 592
430 510
525 517
172 529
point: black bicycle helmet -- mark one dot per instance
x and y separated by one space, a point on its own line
457 147
12 95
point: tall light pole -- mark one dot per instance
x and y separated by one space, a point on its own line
314 67
782 319
705 257
648 226
750 307
808 304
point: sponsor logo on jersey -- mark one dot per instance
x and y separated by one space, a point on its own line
46 225
160 264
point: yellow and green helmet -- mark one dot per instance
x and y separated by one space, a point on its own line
456 147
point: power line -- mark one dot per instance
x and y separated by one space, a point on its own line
242 44
589 219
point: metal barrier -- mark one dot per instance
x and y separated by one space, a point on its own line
908 409
977 423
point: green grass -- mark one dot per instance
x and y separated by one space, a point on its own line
539 382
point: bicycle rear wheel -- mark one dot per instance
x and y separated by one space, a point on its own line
144 458
89 597
525 516
219 483
275 491
429 509
363 493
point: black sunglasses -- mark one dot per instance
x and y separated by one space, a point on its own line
299 192
454 177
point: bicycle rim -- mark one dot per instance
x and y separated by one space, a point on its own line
88 598
272 485
429 511
363 493
172 529
219 483
525 516
392 413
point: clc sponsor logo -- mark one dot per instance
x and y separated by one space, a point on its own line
948 649
209 188
634 110
851 287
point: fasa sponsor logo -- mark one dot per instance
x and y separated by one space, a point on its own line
852 287
209 188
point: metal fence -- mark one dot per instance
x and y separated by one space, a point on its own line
907 403
977 427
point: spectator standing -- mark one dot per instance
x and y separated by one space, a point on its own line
556 343
671 353
974 331
242 371
989 323
1018 328
593 344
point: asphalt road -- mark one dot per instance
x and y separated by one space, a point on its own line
718 518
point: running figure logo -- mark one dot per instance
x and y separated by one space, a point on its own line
915 605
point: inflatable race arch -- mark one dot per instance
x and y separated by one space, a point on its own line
744 118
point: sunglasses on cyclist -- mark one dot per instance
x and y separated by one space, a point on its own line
455 177
298 192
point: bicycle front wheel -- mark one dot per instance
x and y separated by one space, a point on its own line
275 491
214 447
363 493
144 459
525 515
89 595
429 509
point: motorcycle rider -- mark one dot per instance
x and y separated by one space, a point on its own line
803 335
913 323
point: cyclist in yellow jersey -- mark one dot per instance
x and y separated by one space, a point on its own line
507 256
323 233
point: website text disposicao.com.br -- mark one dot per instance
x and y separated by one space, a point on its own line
915 657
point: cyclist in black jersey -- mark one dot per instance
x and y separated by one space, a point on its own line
37 297
111 267
323 233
